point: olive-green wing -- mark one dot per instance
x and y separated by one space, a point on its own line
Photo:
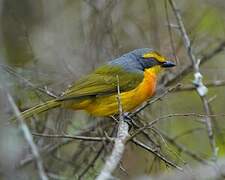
102 82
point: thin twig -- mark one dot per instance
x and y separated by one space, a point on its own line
197 172
145 133
27 82
96 157
84 138
144 146
148 103
91 164
208 122
184 70
157 132
152 123
191 87
119 100
200 88
46 149
179 147
170 32
185 133
29 139
183 149
152 150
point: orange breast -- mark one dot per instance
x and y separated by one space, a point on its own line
108 105
147 87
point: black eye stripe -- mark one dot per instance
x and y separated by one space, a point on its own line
155 61
149 62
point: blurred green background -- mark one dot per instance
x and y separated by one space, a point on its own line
53 43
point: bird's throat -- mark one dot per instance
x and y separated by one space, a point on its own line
154 70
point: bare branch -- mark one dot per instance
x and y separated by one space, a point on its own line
152 123
183 149
27 82
198 172
29 139
46 149
208 123
187 132
84 138
172 141
144 146
200 87
188 68
91 164
191 87
170 32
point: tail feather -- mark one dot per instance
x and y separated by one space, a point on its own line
39 109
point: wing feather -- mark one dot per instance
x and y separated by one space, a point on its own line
103 82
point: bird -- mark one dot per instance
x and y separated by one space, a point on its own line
135 73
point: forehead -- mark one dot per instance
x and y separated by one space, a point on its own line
155 55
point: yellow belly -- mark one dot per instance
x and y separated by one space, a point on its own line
108 105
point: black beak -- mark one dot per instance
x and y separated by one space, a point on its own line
168 64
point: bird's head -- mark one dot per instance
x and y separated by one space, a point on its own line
152 60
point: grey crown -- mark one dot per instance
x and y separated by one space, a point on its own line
133 60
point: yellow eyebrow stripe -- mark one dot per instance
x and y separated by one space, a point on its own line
155 55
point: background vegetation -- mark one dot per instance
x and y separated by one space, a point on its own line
46 45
